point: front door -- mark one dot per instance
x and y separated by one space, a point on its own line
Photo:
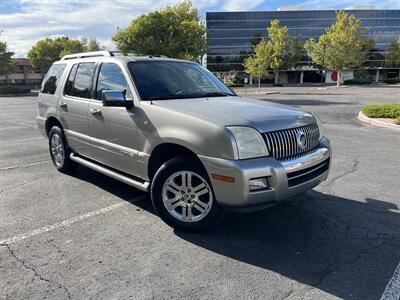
73 107
113 132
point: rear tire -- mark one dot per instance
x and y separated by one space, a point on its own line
60 151
182 196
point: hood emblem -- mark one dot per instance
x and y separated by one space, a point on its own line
301 139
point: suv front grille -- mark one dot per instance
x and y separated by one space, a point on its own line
283 144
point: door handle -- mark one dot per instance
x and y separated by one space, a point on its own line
95 111
62 105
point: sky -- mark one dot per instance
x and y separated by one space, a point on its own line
23 22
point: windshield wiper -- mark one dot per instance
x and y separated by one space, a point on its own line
180 96
217 94
166 97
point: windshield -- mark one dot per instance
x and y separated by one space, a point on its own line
160 80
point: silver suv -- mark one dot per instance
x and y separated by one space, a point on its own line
171 128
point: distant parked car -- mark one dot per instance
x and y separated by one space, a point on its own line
171 128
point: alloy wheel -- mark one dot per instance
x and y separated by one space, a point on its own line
57 149
187 196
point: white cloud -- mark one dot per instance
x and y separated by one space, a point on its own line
342 4
40 19
240 5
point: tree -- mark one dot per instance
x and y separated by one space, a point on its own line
297 51
91 44
7 66
175 31
343 46
258 64
393 56
282 46
45 52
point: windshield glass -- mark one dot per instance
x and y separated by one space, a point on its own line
159 80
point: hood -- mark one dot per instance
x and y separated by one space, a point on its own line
230 111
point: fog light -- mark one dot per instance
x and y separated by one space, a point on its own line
256 184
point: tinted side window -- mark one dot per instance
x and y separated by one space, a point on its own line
49 84
111 78
83 80
70 81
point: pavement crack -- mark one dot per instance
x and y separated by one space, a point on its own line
35 272
353 169
288 294
19 185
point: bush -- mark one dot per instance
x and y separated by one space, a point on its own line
391 81
14 89
278 84
397 121
231 84
391 110
361 74
357 81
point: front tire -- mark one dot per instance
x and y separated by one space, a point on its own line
182 196
59 151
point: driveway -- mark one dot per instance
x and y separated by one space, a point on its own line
89 236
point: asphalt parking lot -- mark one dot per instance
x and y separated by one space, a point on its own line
89 236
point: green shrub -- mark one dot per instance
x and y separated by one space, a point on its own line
390 110
14 89
361 74
231 84
397 121
357 81
391 81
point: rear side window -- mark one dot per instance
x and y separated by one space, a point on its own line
49 84
111 78
70 82
83 80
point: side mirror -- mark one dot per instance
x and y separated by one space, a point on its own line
115 98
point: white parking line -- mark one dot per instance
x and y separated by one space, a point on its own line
392 291
25 166
65 223
24 140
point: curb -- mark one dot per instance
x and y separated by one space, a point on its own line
20 95
363 118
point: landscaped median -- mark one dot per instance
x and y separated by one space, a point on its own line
383 115
11 90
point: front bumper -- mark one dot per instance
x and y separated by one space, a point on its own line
285 179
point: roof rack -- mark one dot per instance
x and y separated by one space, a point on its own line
88 54
120 53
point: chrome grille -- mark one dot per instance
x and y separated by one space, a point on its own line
283 145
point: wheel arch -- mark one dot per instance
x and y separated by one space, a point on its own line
166 151
50 122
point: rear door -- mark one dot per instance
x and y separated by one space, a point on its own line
113 130
73 106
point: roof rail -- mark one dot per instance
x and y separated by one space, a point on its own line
88 54
120 53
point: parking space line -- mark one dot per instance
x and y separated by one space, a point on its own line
25 166
23 140
392 291
64 223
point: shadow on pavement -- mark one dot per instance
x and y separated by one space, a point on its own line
346 248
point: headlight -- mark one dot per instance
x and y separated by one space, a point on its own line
321 132
249 142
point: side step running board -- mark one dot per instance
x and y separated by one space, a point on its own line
144 185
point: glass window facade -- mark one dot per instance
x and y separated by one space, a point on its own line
230 34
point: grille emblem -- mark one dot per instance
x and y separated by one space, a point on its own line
301 139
